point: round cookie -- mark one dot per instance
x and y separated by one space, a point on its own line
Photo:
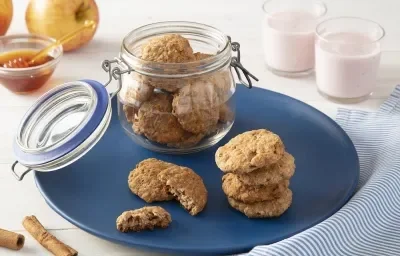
170 48
249 151
156 121
134 91
223 81
188 140
236 189
166 84
130 113
275 173
143 180
186 186
264 209
196 106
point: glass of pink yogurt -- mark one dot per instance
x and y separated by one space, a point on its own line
347 56
288 31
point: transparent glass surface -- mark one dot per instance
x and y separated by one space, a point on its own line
58 119
288 30
178 107
348 52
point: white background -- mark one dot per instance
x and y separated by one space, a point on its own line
241 19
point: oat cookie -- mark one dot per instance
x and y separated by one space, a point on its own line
171 48
225 113
156 121
134 91
143 180
186 186
188 140
196 107
249 151
146 218
138 94
223 81
130 113
264 209
166 84
236 189
276 173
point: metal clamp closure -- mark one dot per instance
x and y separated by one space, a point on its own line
115 72
237 65
19 177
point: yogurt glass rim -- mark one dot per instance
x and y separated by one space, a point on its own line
321 37
268 13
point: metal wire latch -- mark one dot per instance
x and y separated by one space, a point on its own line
236 64
115 72
14 172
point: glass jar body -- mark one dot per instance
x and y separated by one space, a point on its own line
182 107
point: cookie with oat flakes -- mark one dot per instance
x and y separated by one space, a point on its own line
145 218
196 107
272 174
264 209
156 121
172 48
249 151
187 187
236 189
143 180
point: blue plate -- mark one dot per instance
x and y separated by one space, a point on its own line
92 192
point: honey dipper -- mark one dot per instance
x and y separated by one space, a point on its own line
25 63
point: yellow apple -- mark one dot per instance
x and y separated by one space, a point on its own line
6 14
55 18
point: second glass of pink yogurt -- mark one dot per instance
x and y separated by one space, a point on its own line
347 57
288 35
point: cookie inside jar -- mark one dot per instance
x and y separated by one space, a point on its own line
179 98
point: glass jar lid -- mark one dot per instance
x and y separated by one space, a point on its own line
59 122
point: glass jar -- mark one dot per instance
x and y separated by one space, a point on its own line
179 101
165 107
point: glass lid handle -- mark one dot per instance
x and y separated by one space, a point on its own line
19 177
237 65
115 72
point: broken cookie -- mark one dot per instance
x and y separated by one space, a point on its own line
186 186
146 218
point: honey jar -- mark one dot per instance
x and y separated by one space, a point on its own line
23 78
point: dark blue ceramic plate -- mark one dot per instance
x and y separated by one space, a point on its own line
92 192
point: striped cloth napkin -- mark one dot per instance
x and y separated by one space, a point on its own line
369 224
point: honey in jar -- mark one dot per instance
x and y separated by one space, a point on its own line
19 75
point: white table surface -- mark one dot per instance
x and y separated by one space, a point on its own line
240 19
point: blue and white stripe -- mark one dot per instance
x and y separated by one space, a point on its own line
369 224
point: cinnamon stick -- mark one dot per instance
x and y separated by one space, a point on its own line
11 240
47 240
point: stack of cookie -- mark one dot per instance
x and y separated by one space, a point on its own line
257 176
